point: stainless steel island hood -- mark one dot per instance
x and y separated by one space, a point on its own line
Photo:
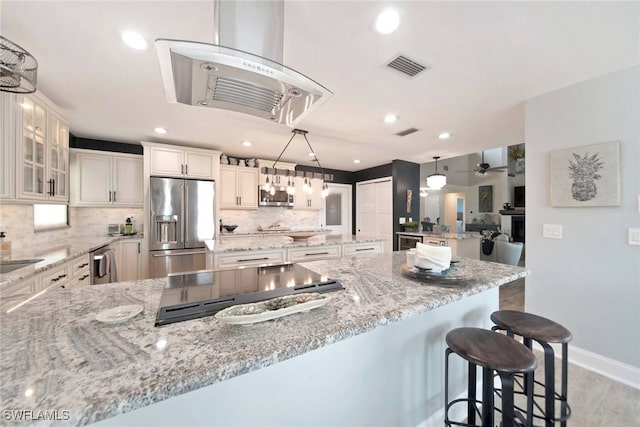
242 70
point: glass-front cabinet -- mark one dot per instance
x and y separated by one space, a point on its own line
43 169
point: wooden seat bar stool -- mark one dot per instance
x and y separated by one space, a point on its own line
545 332
493 352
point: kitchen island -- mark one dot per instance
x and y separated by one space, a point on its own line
372 355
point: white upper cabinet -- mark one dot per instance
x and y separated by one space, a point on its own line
35 149
106 179
305 201
182 162
238 187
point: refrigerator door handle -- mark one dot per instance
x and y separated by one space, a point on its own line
186 215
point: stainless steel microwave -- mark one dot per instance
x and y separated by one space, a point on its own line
279 198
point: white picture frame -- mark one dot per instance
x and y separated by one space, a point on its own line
585 176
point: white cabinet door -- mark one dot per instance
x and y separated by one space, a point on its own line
127 181
7 144
167 161
93 181
199 165
58 157
238 187
228 193
315 198
248 187
129 260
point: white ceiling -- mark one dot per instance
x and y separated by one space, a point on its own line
486 59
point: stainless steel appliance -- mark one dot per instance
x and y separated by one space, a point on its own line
279 198
204 293
103 268
406 241
182 218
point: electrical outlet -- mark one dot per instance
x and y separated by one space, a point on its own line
552 231
402 220
410 219
634 236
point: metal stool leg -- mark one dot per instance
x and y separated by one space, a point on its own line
508 415
446 387
565 375
549 384
487 397
471 394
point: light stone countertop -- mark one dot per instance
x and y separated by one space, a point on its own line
277 242
55 254
456 236
55 355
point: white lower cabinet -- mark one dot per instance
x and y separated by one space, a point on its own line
354 249
55 277
236 259
129 260
312 253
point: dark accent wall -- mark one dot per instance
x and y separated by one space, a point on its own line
96 144
406 176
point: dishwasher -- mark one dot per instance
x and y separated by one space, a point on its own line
103 266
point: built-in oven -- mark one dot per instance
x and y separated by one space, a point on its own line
406 241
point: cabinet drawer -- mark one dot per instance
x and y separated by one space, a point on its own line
23 288
78 281
54 278
313 253
79 266
362 248
248 258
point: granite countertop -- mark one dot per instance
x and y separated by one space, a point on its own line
278 242
55 355
457 236
275 232
55 254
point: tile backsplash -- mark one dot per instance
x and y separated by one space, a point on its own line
17 222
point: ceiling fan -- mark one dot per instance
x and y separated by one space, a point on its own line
482 169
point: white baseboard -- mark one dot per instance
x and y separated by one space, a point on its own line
457 412
610 368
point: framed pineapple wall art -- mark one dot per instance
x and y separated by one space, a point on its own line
586 176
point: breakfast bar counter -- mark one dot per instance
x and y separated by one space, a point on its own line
372 355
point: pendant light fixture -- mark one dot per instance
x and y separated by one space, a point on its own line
437 180
18 68
307 182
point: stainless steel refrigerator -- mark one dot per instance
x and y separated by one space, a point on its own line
182 218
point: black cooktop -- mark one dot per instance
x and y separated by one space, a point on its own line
204 293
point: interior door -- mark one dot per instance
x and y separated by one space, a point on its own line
374 209
337 209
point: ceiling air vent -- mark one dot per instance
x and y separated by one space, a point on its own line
406 66
407 132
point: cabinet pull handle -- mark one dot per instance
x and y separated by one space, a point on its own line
109 195
181 169
138 247
62 287
83 277
240 197
50 192
364 249
53 192
114 196
253 259
186 169
83 265
317 253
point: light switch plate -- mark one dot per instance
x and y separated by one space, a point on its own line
402 220
634 236
552 231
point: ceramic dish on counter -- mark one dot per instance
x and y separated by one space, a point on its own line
300 235
453 274
247 314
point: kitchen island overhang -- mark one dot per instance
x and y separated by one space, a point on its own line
69 361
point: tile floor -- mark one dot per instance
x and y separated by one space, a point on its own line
596 401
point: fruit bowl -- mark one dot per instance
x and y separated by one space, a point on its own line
230 228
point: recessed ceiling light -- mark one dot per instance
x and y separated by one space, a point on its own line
444 135
311 154
160 130
387 21
390 118
134 40
246 143
356 161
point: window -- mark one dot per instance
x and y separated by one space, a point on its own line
47 217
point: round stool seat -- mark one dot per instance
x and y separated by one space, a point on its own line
531 326
491 350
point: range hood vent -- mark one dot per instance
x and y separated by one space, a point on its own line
406 66
240 71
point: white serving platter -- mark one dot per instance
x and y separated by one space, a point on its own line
247 314
119 314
